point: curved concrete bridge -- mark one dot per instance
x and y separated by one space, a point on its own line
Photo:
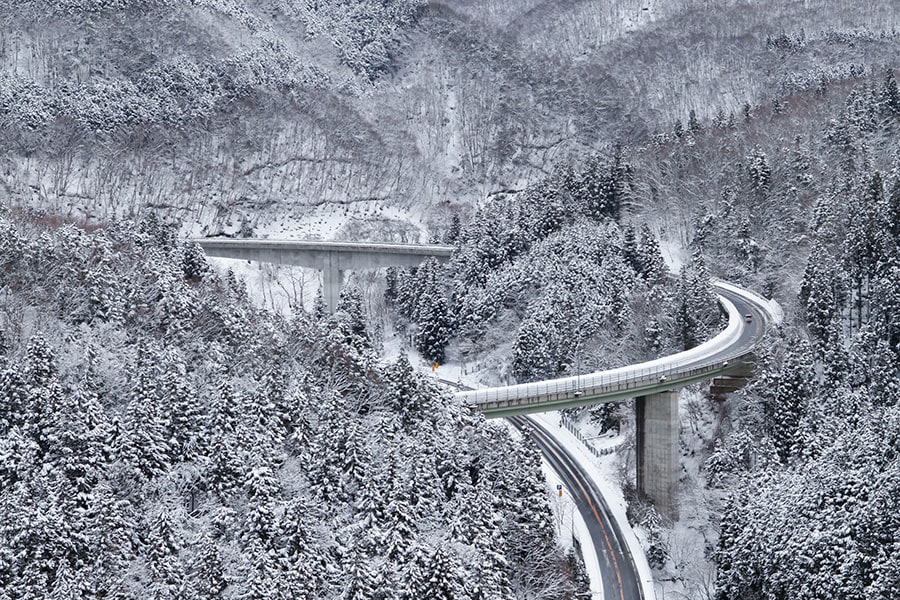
654 384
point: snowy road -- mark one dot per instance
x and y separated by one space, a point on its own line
749 316
722 355
620 580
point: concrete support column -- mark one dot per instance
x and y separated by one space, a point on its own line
332 278
658 465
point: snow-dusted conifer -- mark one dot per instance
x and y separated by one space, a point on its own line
434 326
786 397
652 265
224 466
442 575
207 574
351 303
145 444
320 307
162 548
361 581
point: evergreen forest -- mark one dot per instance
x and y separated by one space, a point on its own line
595 164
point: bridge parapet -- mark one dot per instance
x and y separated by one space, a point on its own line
720 355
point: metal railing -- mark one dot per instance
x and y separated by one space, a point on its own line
714 357
568 424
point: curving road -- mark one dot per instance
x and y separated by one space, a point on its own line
620 577
728 353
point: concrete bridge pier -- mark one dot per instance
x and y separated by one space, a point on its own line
658 463
332 279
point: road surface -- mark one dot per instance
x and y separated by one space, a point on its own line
619 574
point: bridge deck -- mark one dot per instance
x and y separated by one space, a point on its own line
726 353
212 244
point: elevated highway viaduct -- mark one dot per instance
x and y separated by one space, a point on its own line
332 258
655 385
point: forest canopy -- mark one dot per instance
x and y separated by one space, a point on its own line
161 437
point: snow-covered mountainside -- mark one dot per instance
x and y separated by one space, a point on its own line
223 112
162 438
162 435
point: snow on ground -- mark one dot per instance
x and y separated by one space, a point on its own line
673 253
570 525
603 470
371 220
278 288
688 573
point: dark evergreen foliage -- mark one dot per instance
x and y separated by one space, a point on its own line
697 314
811 467
194 453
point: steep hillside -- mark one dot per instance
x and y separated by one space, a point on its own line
801 201
162 438
222 112
571 139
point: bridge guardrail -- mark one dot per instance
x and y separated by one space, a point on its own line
669 370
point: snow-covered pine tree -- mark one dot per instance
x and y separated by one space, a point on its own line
144 444
360 580
181 407
207 573
367 529
442 577
630 251
819 294
399 529
435 327
759 171
161 549
404 394
351 304
537 351
694 125
320 307
652 265
453 231
223 465
786 395
263 490
264 578
889 96
193 261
